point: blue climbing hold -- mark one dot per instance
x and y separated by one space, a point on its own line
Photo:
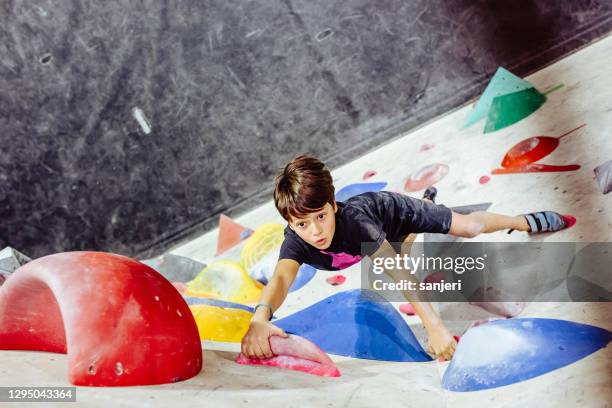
356 323
264 270
304 275
352 190
509 351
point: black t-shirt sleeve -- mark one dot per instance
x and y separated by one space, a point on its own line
364 228
293 248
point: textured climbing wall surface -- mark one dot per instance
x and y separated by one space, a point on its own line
469 155
128 125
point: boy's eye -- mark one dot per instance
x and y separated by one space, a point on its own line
321 216
301 224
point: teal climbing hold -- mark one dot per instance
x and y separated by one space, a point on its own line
508 109
503 82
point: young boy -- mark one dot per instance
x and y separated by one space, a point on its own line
328 235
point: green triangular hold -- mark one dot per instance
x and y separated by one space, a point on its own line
508 109
503 82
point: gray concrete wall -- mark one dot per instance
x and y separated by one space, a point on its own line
127 126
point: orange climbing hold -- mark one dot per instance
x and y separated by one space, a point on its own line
230 234
120 322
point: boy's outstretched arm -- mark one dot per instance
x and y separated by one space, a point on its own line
255 342
441 343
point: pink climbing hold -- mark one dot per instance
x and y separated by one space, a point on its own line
295 353
426 177
120 322
336 280
426 146
484 179
407 309
457 338
368 174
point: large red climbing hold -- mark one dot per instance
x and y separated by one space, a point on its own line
120 322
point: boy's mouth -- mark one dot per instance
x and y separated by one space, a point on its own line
321 241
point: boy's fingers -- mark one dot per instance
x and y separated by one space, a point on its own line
450 351
265 347
259 352
278 331
268 353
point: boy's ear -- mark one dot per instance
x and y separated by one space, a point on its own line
335 206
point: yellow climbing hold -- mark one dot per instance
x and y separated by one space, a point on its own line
265 239
221 323
225 280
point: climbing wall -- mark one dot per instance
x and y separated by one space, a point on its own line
552 354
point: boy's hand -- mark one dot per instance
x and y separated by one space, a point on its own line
441 343
256 343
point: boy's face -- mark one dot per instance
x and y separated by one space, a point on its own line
316 228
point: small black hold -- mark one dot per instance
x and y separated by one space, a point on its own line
46 59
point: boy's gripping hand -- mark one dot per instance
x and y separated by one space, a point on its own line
256 342
441 343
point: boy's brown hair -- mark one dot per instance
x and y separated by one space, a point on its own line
303 186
